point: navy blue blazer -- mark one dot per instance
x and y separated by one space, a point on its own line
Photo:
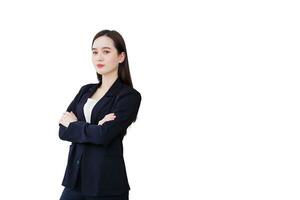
96 152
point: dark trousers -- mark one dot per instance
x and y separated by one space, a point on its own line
69 194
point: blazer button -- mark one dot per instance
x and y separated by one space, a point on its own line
77 162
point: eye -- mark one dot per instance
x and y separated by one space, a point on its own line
106 51
94 52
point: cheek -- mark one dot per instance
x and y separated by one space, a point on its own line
112 60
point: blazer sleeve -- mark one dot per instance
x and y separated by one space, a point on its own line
126 109
70 108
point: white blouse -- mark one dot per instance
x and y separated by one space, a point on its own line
87 108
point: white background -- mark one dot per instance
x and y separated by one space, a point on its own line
219 117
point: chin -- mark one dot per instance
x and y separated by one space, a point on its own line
102 72
99 72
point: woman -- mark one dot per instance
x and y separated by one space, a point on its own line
96 122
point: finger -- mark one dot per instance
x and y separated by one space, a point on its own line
69 114
73 114
110 118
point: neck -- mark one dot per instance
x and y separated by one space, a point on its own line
108 80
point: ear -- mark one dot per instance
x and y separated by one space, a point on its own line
122 57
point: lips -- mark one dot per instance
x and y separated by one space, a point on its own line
100 65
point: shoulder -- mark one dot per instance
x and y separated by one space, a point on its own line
87 86
127 99
128 91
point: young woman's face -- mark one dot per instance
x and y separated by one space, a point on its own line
105 56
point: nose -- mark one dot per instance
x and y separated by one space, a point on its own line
99 57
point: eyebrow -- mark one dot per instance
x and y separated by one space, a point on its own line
102 48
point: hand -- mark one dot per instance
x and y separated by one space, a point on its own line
108 117
67 118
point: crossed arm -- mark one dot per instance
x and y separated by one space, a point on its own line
125 110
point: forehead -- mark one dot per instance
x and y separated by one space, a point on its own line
102 42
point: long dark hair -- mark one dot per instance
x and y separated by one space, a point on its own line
119 43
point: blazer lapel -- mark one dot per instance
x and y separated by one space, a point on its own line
101 103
